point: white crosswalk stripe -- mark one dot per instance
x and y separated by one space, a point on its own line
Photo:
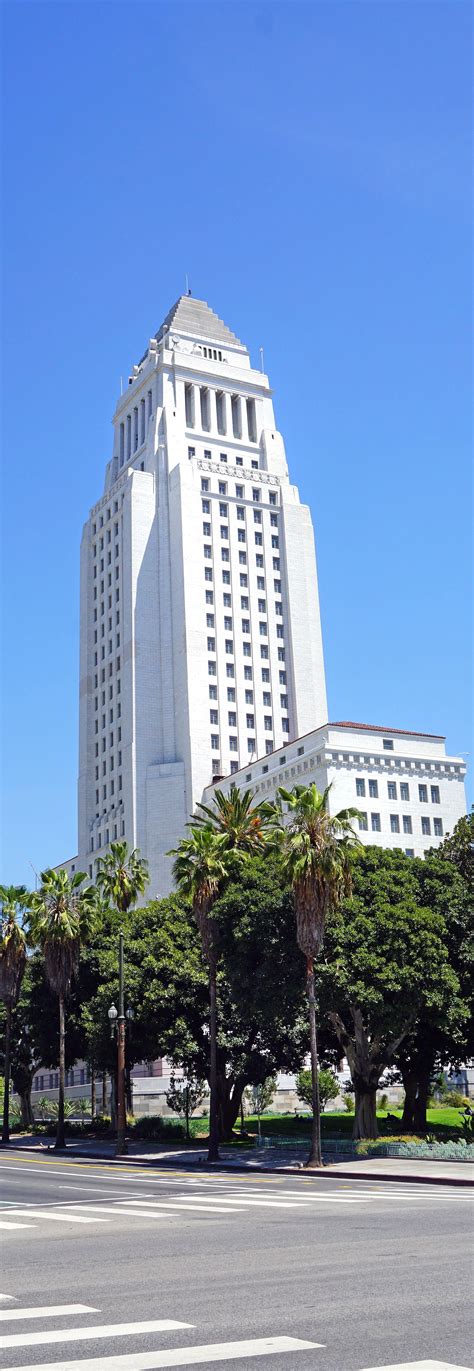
107 1330
59 1218
52 1311
182 1356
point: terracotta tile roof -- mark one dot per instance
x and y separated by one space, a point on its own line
376 728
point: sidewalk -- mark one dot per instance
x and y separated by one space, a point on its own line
267 1160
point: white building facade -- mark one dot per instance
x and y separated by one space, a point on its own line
201 641
409 793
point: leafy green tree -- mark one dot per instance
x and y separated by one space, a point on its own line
458 848
241 824
386 964
259 1098
315 860
121 876
200 871
327 1084
60 918
185 1096
13 901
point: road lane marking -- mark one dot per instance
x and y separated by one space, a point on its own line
16 1225
45 1213
418 1366
46 1311
182 1356
105 1330
205 1208
131 1213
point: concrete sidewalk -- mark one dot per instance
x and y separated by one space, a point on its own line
275 1160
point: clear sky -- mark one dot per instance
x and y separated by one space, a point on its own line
308 166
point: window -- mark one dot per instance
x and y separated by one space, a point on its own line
375 820
205 483
278 607
284 701
251 421
214 742
407 824
373 790
232 744
260 583
220 411
223 510
206 528
423 794
394 823
251 744
388 744
274 521
232 718
207 551
250 721
438 828
272 497
211 644
268 723
262 606
267 699
236 416
275 542
426 827
285 723
256 494
264 652
243 578
263 627
281 654
265 675
246 649
276 563
225 555
259 540
435 794
360 785
363 825
213 693
189 405
209 597
247 673
258 559
409 852
229 670
245 625
257 516
240 513
249 697
211 669
241 535
227 623
234 766
239 461
222 487
244 601
205 409
213 716
404 791
208 573
239 492
191 452
226 577
242 559
229 646
227 600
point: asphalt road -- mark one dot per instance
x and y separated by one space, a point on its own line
307 1273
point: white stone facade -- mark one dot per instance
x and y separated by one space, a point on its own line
200 632
409 793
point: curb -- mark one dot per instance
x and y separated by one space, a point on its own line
224 1165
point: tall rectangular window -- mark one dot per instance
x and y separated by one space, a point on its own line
423 794
363 821
205 409
135 428
360 786
407 824
236 416
435 795
404 791
129 435
220 411
142 421
189 405
392 790
394 823
373 790
438 828
122 444
375 821
251 421
426 827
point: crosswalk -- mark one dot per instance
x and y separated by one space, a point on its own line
133 1360
187 1353
205 1200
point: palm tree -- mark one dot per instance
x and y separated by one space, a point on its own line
243 825
13 899
200 870
122 876
315 854
61 917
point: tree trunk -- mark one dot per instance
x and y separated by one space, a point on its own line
186 1111
6 1097
128 1089
229 1097
421 1103
408 1116
365 1123
27 1116
104 1092
113 1102
315 1156
60 1135
213 1151
93 1093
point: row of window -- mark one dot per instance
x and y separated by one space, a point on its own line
235 461
99 523
197 404
223 489
76 1076
407 824
133 429
249 700
248 676
392 791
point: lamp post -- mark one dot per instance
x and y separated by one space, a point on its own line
117 1024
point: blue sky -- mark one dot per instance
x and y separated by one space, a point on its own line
308 166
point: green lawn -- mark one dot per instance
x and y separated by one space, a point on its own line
442 1121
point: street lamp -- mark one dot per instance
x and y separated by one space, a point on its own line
117 1025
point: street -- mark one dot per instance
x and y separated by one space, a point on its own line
121 1267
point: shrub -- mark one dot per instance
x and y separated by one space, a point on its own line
349 1103
153 1126
382 1102
328 1086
